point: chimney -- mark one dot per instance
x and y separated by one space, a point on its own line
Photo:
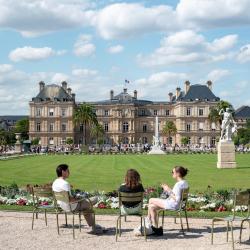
125 90
111 94
178 91
73 96
64 85
170 96
187 86
135 94
41 85
69 91
209 84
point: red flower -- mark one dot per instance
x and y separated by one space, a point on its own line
21 202
44 203
221 209
102 205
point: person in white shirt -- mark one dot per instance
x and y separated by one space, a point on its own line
60 184
174 199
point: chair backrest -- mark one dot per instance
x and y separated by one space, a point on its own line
41 192
241 200
130 197
184 198
62 196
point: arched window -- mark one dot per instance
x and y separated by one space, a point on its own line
144 140
125 140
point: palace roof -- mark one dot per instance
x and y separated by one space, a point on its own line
243 112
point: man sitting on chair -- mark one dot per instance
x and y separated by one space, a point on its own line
60 185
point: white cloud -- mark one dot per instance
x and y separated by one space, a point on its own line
5 68
244 54
59 77
188 46
33 18
216 74
84 72
31 54
83 46
115 49
123 20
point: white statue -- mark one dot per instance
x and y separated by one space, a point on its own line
228 126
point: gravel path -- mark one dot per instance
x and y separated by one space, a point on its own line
16 233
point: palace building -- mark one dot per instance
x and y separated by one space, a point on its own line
125 117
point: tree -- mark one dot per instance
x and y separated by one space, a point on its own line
169 129
184 141
22 126
69 141
96 131
6 138
214 111
84 114
35 141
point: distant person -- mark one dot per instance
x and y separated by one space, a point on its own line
173 200
132 185
60 184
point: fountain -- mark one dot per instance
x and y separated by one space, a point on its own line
156 148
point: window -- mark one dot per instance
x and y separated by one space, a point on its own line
51 127
51 141
201 126
81 127
64 127
155 112
189 140
170 140
188 127
125 127
106 112
201 112
64 112
188 111
125 140
106 127
144 140
213 126
167 112
51 112
63 141
38 127
213 141
144 128
38 112
142 112
200 140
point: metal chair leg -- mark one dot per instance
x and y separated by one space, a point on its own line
33 218
57 223
187 220
141 225
66 219
249 229
212 233
144 225
175 220
45 215
36 215
232 233
116 230
120 225
181 224
125 218
162 219
73 226
80 221
241 226
227 230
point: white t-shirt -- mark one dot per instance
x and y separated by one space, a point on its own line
60 185
172 203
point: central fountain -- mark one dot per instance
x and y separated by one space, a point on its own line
156 148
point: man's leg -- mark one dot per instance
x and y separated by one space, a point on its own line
84 206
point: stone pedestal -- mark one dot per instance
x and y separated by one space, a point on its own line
226 155
18 148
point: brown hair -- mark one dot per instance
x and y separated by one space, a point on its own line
132 178
181 170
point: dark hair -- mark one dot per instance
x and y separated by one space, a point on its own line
132 178
60 168
181 170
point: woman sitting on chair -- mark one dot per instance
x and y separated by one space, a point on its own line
174 196
132 185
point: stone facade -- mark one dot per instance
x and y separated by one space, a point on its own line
125 118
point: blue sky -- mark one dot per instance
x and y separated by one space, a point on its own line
95 45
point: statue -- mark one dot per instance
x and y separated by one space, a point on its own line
228 126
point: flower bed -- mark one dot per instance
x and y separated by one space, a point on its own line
212 201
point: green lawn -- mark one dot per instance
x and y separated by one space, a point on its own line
95 172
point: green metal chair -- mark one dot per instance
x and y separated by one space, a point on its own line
64 197
37 193
130 197
182 208
240 199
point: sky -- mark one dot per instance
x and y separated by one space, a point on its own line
95 45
